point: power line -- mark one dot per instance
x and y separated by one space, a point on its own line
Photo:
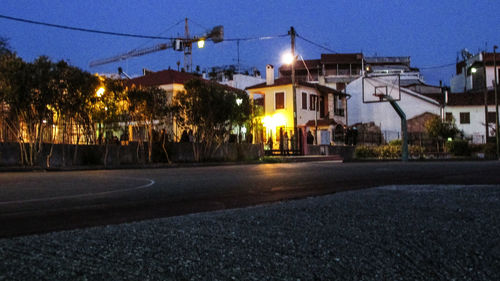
316 44
84 29
123 34
438 66
257 38
161 33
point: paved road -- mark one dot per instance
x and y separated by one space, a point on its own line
42 202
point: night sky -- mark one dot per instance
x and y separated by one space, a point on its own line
431 32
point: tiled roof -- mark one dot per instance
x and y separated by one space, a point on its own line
166 77
464 99
470 98
321 122
341 58
287 81
163 77
489 58
299 65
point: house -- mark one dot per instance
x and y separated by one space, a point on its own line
172 82
468 112
474 72
234 76
471 101
331 70
169 80
417 99
319 109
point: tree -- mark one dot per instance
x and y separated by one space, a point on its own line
440 130
108 109
149 106
210 110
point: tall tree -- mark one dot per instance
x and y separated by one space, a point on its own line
210 110
149 106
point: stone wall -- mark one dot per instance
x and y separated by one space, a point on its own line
123 155
345 151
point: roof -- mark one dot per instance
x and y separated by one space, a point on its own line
299 65
464 99
321 122
166 77
341 58
470 98
388 60
288 81
163 77
489 58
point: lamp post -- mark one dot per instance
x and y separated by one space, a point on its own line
496 98
294 90
291 58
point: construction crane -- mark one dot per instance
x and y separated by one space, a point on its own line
185 45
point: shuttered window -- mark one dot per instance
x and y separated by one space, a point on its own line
304 100
464 118
279 99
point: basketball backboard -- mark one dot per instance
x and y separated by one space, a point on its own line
380 88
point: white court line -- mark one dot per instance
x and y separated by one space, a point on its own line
151 182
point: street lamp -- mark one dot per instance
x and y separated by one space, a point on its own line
100 92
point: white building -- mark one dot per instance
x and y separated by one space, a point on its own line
382 114
471 73
468 112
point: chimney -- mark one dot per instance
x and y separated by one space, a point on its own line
269 74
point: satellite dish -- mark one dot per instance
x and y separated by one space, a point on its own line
466 54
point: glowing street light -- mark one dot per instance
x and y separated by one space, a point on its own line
100 92
287 58
201 43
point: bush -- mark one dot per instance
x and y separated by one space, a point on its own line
364 151
458 147
389 151
416 151
397 142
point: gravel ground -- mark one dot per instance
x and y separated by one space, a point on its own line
385 233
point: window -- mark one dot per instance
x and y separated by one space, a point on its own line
279 100
304 100
464 118
321 107
448 117
340 86
338 106
491 117
312 102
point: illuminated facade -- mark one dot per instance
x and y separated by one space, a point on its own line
320 109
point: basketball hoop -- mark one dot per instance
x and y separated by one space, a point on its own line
379 96
381 88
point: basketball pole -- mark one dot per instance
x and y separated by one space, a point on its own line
404 129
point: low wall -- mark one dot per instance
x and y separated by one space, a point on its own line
122 155
345 151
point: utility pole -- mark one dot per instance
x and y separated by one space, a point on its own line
292 38
238 49
485 101
496 98
188 49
